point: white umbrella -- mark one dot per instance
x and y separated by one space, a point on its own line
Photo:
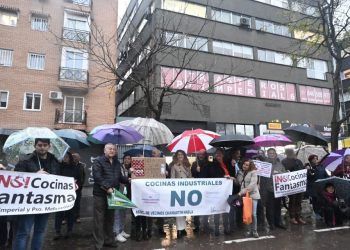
154 132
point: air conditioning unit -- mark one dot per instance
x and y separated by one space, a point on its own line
55 95
245 22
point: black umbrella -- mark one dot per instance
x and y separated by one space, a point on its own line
306 134
342 187
233 141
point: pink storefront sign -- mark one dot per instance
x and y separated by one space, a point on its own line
277 90
184 79
315 95
233 85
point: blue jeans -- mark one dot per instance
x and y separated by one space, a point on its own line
24 226
119 220
254 226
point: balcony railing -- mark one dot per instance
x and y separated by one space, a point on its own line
71 74
81 36
70 116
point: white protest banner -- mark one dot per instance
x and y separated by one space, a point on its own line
33 193
263 168
180 197
289 183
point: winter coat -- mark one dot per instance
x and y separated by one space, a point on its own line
267 183
31 164
71 171
313 174
180 171
203 164
215 171
106 175
249 183
292 164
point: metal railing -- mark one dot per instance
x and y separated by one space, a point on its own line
81 36
71 74
70 116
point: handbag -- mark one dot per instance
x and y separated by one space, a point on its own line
234 200
247 209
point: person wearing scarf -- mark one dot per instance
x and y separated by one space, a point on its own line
330 204
218 169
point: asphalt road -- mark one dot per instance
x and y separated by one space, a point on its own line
294 238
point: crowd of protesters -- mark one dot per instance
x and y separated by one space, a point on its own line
109 226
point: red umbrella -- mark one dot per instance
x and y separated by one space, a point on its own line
192 141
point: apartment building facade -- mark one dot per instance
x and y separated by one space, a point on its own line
242 66
46 79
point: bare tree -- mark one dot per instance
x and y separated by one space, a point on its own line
324 31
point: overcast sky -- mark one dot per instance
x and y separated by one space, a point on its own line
122 5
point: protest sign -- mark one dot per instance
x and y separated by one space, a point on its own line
180 197
263 168
289 183
33 193
147 167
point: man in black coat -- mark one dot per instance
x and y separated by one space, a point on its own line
41 162
291 164
106 171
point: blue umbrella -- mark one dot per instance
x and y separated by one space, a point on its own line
145 150
76 139
116 134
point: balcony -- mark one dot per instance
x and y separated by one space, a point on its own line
75 119
76 75
81 36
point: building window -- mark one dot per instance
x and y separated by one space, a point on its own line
73 109
279 3
271 27
6 57
184 79
74 65
315 69
4 99
277 90
228 17
39 23
186 41
315 95
234 85
126 104
76 27
185 7
36 61
81 2
8 18
274 57
232 129
32 101
232 49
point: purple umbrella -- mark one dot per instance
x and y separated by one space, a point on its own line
116 134
335 158
272 140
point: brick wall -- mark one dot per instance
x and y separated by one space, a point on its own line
18 79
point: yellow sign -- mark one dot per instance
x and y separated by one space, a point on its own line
274 126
